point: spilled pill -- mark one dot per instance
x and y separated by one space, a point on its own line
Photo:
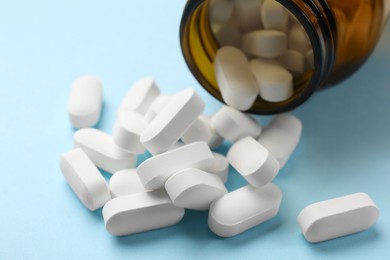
172 122
157 105
232 124
243 209
140 96
85 179
253 161
220 167
155 171
194 189
102 150
85 102
281 137
127 131
140 212
125 182
338 217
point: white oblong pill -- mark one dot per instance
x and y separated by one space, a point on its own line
248 14
194 189
265 43
201 130
127 131
140 96
243 209
140 212
155 171
298 39
232 124
235 81
157 105
294 62
220 167
125 182
85 102
102 150
253 161
220 11
275 82
85 179
274 16
338 217
281 137
228 34
171 123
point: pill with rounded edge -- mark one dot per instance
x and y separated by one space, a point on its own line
220 11
235 81
338 217
127 131
157 105
294 62
232 124
194 189
228 34
102 150
140 96
140 212
85 102
281 137
171 123
275 82
274 15
298 39
125 182
243 209
155 171
265 43
220 167
201 130
85 179
253 161
248 14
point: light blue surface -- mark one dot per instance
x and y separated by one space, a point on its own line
44 45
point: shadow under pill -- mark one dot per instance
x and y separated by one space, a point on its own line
195 224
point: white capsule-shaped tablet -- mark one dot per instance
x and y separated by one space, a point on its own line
127 131
248 14
274 16
281 137
233 125
275 82
155 171
102 150
220 167
265 43
228 34
338 217
157 105
220 11
125 182
243 209
253 161
85 179
140 96
85 102
298 39
172 122
140 212
201 130
236 83
194 189
294 62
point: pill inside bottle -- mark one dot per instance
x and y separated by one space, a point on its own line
301 48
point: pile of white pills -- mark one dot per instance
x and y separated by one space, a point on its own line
183 172
263 47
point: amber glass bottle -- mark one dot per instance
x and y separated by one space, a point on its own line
342 33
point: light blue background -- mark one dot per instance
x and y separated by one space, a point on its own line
45 45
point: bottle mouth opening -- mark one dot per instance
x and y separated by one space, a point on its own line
208 25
